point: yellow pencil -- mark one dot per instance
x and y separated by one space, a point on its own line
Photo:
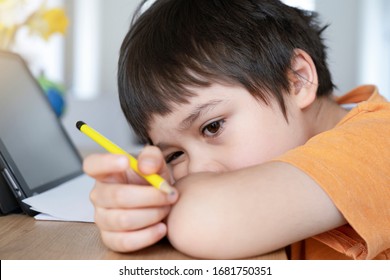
154 179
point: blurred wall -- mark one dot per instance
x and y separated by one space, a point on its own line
341 37
103 110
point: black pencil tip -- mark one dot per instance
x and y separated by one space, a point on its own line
79 124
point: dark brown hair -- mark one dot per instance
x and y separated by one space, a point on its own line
180 43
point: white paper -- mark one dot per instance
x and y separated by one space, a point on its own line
67 202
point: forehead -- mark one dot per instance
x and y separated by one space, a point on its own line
213 95
204 100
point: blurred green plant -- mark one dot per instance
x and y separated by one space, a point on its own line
55 93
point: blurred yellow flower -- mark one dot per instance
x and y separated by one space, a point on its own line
43 21
46 22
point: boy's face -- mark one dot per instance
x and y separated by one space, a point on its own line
225 128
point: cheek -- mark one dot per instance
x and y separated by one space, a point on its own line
263 144
179 171
250 153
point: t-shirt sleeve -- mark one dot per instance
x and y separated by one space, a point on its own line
351 163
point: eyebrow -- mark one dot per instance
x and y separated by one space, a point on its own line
197 112
192 117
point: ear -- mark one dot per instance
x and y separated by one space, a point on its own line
303 79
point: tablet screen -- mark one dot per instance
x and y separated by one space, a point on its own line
30 130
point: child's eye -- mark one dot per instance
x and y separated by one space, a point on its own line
213 129
172 157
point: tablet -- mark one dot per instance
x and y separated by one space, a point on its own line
36 153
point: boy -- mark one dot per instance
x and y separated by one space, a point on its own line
235 98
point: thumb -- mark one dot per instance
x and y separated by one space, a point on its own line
151 160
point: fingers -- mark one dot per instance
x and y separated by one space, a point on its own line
135 240
110 167
129 196
102 166
97 164
129 216
128 211
129 220
151 160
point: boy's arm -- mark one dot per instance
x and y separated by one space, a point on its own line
248 212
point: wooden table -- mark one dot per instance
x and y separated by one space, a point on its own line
22 237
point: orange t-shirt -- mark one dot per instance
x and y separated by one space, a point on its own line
351 163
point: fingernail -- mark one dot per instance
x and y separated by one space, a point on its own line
161 228
172 197
122 161
149 163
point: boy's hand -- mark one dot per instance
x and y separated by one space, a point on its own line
128 211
